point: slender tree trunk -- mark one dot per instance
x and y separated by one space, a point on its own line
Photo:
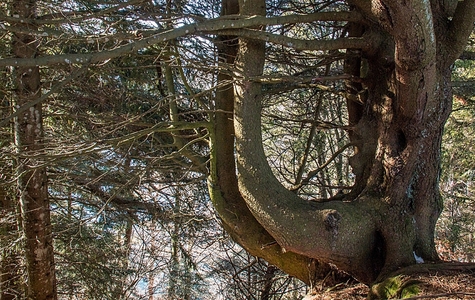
151 273
174 280
150 286
124 263
32 179
268 282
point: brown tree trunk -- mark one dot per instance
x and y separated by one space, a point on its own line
408 84
174 282
32 180
223 186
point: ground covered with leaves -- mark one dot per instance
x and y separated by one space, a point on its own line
443 281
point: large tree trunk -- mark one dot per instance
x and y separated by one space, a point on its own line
390 219
409 101
32 180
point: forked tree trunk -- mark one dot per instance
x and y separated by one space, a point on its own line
228 202
32 180
390 219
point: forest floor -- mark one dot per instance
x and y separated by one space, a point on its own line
443 281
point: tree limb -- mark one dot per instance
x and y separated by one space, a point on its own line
297 44
460 28
209 26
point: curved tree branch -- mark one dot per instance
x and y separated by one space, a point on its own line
460 29
223 186
209 26
335 232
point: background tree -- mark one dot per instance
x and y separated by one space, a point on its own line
32 187
456 223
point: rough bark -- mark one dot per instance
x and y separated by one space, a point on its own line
411 111
32 179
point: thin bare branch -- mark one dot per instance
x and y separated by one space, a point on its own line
55 89
314 172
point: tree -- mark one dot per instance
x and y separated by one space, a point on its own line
387 220
384 66
10 262
32 180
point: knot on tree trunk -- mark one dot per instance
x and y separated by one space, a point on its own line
331 219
